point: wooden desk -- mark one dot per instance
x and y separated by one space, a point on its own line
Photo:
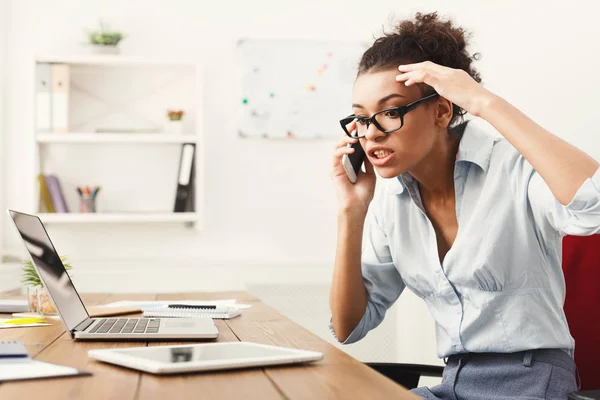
338 375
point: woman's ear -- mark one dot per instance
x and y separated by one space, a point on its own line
443 112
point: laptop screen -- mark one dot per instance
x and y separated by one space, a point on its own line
50 269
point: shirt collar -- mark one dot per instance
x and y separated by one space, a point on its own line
475 147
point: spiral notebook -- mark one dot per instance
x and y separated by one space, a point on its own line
191 311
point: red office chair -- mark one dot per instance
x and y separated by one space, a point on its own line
581 267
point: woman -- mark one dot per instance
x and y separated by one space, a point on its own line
470 223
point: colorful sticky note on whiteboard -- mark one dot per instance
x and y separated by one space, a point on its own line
322 69
311 88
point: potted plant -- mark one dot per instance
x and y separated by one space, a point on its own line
174 124
104 41
37 295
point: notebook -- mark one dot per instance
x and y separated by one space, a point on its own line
191 311
15 364
23 369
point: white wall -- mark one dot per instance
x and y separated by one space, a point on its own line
3 29
270 204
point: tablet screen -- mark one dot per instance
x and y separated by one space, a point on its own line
183 354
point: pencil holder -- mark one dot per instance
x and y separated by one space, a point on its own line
87 198
87 204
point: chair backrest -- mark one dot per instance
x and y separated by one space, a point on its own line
581 267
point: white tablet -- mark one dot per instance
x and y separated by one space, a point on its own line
203 357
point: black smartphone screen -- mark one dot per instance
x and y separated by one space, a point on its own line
357 158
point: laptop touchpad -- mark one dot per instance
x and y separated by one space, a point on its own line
179 324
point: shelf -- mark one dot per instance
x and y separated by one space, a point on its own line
135 138
112 60
113 101
77 218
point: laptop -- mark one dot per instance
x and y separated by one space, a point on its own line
73 313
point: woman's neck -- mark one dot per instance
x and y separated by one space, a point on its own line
435 173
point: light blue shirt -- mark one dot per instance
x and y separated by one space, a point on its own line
500 288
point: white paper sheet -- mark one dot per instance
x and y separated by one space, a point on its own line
11 370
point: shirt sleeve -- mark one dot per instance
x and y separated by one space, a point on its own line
581 217
380 276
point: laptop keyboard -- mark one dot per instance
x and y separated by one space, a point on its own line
126 325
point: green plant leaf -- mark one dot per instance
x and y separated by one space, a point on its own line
105 36
30 277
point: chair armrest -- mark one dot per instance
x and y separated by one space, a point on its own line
421 369
407 375
585 395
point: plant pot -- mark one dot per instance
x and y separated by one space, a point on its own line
103 49
174 127
40 301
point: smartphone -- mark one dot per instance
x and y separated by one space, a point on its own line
353 162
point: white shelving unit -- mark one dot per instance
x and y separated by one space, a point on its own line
136 170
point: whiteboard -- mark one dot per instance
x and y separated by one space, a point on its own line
295 88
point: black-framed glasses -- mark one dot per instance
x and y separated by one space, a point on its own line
387 121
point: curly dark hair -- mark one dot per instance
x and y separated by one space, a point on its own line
426 38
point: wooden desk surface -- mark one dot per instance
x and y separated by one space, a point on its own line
338 375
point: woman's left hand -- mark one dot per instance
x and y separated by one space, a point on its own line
455 85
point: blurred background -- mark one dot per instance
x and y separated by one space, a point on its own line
263 211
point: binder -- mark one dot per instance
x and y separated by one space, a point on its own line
56 194
184 195
60 97
43 104
45 199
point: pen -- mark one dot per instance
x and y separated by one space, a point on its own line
192 306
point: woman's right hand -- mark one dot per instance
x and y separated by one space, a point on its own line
352 196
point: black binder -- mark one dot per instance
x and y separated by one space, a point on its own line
184 196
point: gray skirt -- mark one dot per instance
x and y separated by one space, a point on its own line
534 374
